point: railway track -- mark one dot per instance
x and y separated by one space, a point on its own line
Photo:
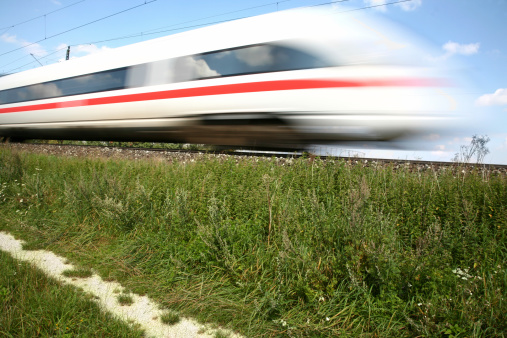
188 154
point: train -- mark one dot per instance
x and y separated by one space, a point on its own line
279 80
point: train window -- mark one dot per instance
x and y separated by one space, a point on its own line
237 61
244 60
89 83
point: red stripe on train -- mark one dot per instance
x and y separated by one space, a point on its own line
237 88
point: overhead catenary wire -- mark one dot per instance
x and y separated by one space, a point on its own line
216 15
86 24
150 32
43 57
40 16
373 6
162 30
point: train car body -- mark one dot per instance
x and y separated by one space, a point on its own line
282 79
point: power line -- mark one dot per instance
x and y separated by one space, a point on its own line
387 3
158 32
86 24
191 26
328 3
40 16
357 9
29 63
149 32
36 59
214 16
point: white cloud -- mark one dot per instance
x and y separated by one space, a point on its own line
410 5
456 48
8 38
406 6
499 97
61 46
33 48
81 50
451 48
56 2
380 3
88 49
440 147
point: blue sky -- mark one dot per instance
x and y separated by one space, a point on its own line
469 34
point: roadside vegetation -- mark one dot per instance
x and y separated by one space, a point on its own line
300 247
149 145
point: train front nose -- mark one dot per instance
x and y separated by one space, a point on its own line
375 104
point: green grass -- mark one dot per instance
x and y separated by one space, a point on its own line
78 273
125 300
33 305
297 247
170 318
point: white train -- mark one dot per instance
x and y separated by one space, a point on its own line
277 80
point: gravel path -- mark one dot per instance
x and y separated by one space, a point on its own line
142 311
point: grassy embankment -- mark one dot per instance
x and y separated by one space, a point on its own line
310 248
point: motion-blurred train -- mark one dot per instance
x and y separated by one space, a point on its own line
277 80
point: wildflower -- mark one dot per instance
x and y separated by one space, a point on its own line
327 319
419 304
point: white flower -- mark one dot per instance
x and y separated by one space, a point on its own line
419 304
327 319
